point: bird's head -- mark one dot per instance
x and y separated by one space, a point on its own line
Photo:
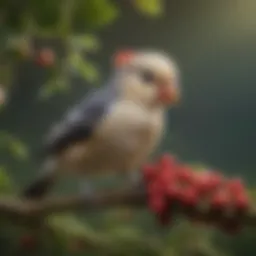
148 77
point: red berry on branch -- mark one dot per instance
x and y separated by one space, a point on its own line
173 191
155 187
201 182
149 172
189 196
167 162
238 193
166 177
45 58
235 186
242 202
157 204
208 182
185 175
220 200
215 180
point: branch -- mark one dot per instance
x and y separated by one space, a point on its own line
10 207
18 209
172 189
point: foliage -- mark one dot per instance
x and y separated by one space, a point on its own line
73 24
15 146
66 21
150 7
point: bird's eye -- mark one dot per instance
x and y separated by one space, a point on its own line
147 76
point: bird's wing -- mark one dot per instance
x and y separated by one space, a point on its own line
80 122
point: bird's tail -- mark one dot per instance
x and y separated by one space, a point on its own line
42 184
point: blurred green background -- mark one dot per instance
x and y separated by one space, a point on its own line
214 45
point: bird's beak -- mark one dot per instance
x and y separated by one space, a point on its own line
168 94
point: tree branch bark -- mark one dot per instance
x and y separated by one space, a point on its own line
14 207
20 209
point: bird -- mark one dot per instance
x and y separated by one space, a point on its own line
115 128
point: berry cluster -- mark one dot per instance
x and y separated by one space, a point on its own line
206 197
44 57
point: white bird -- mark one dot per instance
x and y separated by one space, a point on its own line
116 128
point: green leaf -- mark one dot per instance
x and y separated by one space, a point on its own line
85 42
192 237
149 7
47 91
14 145
83 67
92 14
69 226
18 149
5 76
54 86
252 193
5 181
130 239
126 233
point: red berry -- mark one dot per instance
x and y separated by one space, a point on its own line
149 172
235 186
173 191
220 200
208 182
242 202
157 204
185 174
166 177
45 58
201 181
189 196
215 180
167 162
155 187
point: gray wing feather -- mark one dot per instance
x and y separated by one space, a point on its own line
79 123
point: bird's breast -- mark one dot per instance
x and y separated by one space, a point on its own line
129 132
128 120
122 140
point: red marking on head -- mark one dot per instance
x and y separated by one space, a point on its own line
123 57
